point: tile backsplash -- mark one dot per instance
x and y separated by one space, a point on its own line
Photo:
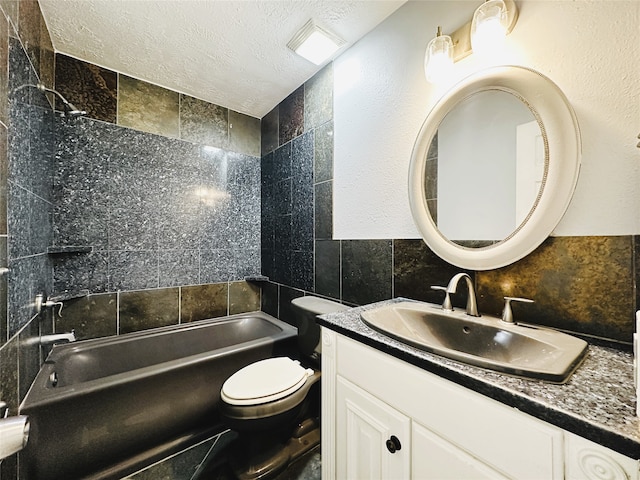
581 284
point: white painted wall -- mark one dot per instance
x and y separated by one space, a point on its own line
590 49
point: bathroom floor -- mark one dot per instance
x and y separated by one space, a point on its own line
207 461
307 467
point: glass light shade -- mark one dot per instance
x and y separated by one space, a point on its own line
438 59
489 26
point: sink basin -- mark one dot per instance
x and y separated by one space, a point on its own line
484 341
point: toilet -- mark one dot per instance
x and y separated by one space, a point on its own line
274 404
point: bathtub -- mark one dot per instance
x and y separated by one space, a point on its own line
101 408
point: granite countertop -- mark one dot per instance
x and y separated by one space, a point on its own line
597 403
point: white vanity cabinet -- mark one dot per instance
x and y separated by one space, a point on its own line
383 418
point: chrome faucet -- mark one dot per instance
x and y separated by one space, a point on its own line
472 304
58 338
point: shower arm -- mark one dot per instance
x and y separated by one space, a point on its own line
72 108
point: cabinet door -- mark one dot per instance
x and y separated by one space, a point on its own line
586 460
364 425
435 458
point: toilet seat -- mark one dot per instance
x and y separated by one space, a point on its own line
264 381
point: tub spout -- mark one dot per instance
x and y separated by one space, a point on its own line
58 338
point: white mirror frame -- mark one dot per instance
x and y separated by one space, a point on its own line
560 130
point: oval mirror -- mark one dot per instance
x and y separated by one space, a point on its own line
494 167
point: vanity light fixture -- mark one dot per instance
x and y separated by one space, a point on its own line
438 59
314 43
492 20
489 26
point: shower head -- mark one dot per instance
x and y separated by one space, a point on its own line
71 108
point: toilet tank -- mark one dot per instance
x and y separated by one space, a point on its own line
306 310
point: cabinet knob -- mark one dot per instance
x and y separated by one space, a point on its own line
393 444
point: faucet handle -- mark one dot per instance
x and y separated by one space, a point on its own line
446 305
507 313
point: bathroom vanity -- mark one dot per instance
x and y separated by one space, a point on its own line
393 411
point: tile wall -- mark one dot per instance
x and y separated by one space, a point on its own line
26 155
150 203
581 284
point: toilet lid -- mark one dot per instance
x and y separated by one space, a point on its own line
264 381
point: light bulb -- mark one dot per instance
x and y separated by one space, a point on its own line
489 26
438 59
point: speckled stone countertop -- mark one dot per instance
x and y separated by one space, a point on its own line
597 403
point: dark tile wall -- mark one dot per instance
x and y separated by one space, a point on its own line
157 211
581 284
166 195
293 149
104 314
116 98
26 152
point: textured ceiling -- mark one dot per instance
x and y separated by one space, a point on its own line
231 53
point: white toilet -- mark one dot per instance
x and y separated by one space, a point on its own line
269 402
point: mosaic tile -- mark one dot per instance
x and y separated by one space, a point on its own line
203 122
147 107
582 284
244 134
199 302
88 87
291 116
269 131
140 310
92 316
318 98
243 297
366 271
